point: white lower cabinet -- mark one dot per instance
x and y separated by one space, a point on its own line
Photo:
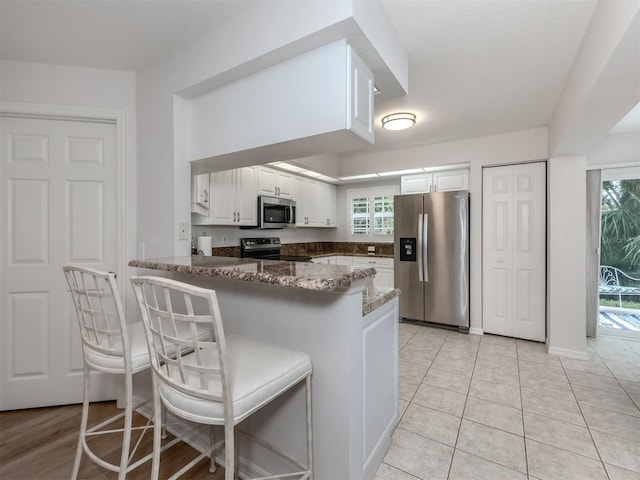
342 260
330 260
383 266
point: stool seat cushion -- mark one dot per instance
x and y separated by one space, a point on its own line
258 373
138 347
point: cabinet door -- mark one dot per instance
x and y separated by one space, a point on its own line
307 203
284 185
299 188
330 260
448 180
313 203
344 260
246 185
267 181
327 204
420 183
200 188
383 278
359 97
223 205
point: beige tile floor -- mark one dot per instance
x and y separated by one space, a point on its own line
490 407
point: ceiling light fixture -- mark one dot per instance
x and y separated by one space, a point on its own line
398 121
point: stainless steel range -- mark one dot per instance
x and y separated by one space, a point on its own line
267 248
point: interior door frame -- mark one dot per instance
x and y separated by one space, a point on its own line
90 115
624 171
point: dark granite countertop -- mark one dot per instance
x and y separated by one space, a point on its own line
373 298
309 276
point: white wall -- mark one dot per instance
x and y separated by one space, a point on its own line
603 83
342 218
269 36
230 236
508 147
301 97
618 149
566 266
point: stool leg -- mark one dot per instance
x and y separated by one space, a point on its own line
309 430
163 421
236 454
126 435
157 430
229 450
83 421
212 439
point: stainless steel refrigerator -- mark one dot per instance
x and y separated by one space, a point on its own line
431 255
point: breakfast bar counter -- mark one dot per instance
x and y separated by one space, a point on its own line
350 330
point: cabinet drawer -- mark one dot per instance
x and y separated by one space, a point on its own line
373 262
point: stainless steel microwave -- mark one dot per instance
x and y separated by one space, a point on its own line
274 212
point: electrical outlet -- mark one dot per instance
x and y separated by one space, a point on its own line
183 231
371 248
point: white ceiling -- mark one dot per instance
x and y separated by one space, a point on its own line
476 67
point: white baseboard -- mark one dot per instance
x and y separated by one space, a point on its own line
476 331
565 352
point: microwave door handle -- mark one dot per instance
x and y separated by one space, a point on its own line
288 214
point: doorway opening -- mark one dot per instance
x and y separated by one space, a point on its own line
619 272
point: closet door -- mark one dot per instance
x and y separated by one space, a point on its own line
514 250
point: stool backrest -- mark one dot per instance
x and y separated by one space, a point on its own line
173 313
99 310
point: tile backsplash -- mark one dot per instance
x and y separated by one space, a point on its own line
319 248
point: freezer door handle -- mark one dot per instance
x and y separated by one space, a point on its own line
423 272
424 245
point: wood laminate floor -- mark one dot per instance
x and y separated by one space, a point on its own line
40 443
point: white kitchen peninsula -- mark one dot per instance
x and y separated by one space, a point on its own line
349 329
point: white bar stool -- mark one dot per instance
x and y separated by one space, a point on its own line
221 381
109 345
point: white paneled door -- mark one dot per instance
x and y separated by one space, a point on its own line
59 206
514 250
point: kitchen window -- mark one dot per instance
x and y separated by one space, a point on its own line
371 213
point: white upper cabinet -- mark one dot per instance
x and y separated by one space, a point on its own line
315 203
307 197
448 180
200 194
440 181
328 210
233 198
360 105
275 183
419 183
319 102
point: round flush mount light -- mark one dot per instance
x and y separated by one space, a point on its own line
398 121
